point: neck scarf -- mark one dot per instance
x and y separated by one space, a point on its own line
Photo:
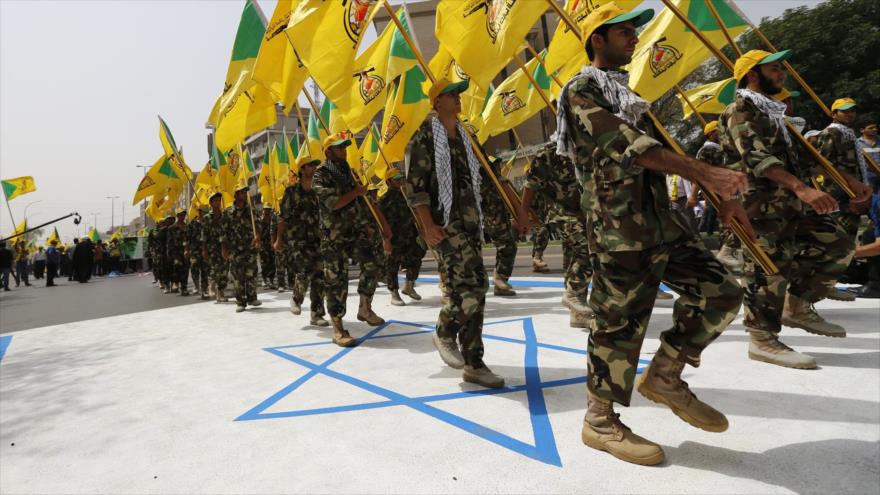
849 137
772 108
443 167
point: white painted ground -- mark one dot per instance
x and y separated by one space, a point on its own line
198 399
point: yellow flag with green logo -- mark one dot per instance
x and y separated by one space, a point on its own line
315 133
13 188
709 98
483 35
407 108
158 179
278 67
53 237
668 51
515 100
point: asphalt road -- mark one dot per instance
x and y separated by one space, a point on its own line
38 306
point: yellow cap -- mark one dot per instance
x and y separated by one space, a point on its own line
337 139
611 13
443 86
751 58
241 186
843 104
711 126
306 160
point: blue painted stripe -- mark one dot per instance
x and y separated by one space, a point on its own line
542 430
4 344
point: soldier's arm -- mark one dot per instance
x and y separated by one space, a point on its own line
832 147
416 187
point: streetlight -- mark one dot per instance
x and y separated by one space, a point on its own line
145 167
25 212
112 212
95 220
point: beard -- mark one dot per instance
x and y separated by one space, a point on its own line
767 86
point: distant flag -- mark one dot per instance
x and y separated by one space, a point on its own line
13 188
709 98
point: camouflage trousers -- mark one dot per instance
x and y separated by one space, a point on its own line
179 271
625 287
165 270
811 251
461 317
267 265
575 246
243 268
218 269
198 268
285 273
309 276
336 255
406 255
540 239
500 231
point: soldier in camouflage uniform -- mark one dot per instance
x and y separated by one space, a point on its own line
175 253
540 233
555 175
731 249
443 187
347 231
299 238
637 241
198 263
151 255
266 229
792 219
240 247
407 248
497 225
212 233
162 261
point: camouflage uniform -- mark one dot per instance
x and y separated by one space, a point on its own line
497 222
198 265
238 234
178 264
151 254
346 233
753 142
461 317
541 232
212 233
407 248
302 237
161 256
714 155
842 152
636 241
554 175
266 228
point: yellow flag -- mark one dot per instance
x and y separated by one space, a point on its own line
483 35
326 35
370 154
709 98
158 179
315 133
268 182
13 188
515 100
53 237
668 51
407 107
473 101
174 154
278 67
20 228
160 205
566 49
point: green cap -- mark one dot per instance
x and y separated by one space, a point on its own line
638 17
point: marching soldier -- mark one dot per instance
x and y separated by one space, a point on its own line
198 263
407 248
151 255
299 238
540 233
346 233
710 152
266 229
176 249
637 241
212 234
240 247
498 226
162 260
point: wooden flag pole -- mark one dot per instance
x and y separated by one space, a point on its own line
531 79
689 103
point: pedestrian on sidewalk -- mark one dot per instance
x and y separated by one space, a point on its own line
53 259
39 263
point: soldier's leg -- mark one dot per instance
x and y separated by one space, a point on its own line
579 271
183 274
205 275
371 260
540 239
391 268
467 284
281 269
335 278
412 260
195 273
250 277
237 269
505 256
316 286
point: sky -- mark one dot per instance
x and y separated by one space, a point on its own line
82 83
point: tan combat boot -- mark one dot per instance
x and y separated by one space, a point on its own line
366 314
574 302
800 313
318 320
295 307
449 351
341 337
409 289
836 294
482 376
501 287
395 299
603 430
765 346
662 383
732 258
580 320
539 266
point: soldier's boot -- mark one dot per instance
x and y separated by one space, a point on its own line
580 320
501 287
732 258
239 307
765 346
539 266
662 383
255 302
482 376
167 290
395 298
409 290
295 307
318 320
836 294
183 291
221 295
662 295
449 351
574 302
604 431
341 337
365 312
800 313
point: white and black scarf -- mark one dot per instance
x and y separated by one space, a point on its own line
774 109
443 167
849 137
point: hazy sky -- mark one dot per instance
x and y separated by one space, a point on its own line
81 83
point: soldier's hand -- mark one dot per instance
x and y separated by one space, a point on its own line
257 242
820 201
434 235
359 190
727 183
733 210
862 201
277 246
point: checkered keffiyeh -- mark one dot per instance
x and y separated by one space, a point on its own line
443 167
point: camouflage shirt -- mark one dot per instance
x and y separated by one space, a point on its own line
212 233
194 238
554 176
176 241
403 226
161 239
711 154
238 231
299 210
267 229
422 187
627 206
333 180
841 152
493 205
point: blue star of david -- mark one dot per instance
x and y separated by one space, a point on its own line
544 448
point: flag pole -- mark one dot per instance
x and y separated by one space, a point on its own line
9 208
689 103
829 168
720 22
531 79
473 140
757 253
